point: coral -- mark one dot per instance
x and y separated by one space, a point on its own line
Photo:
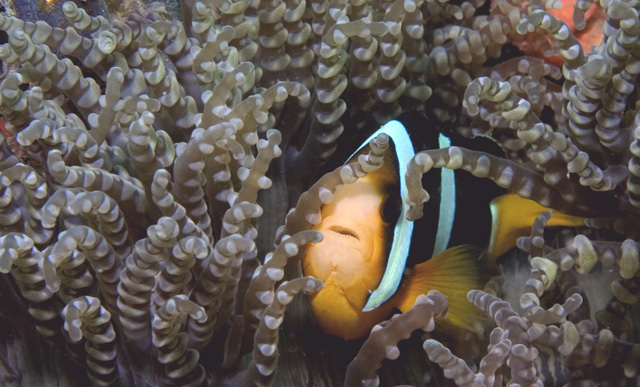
160 173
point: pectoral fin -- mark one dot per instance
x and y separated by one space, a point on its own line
512 217
453 272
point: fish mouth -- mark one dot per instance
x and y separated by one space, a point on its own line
344 231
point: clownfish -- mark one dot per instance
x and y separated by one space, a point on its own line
367 259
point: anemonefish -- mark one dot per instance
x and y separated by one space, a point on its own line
367 257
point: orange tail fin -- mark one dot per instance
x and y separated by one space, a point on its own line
512 217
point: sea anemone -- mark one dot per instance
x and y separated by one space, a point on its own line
161 169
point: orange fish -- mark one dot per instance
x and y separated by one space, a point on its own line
367 241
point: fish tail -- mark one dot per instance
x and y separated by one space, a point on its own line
512 217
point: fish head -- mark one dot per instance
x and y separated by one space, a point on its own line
357 227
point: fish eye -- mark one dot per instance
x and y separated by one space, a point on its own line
390 210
